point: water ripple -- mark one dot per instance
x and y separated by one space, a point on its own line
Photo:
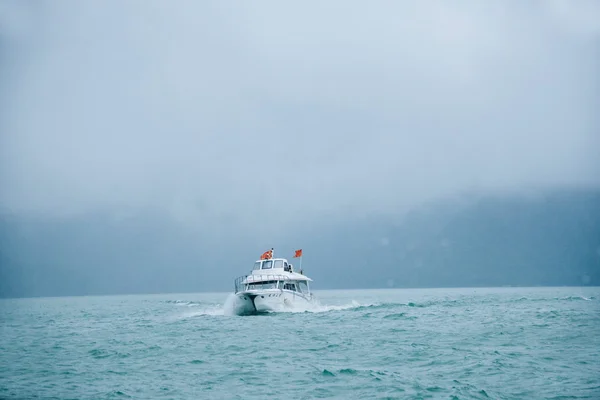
454 343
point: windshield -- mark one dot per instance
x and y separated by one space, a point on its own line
278 264
257 265
262 285
267 264
303 287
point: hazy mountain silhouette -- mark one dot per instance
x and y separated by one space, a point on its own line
552 239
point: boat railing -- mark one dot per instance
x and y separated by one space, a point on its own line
242 281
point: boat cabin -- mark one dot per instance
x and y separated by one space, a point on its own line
274 273
271 264
294 286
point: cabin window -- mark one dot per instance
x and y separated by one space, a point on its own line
302 287
267 264
257 265
262 285
290 286
278 264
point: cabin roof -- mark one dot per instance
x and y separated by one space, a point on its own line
280 270
273 259
265 275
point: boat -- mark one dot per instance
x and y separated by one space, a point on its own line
273 286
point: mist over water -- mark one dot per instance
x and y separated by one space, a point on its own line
551 239
139 143
223 117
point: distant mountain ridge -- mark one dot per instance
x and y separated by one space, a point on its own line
553 239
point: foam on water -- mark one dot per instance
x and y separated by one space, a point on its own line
317 307
229 307
211 310
195 309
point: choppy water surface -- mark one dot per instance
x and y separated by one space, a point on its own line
426 343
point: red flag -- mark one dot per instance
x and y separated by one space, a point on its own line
298 253
267 255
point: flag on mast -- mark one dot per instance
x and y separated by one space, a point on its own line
298 253
267 255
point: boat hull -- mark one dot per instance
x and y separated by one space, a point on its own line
267 301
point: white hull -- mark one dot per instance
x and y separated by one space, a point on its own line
271 300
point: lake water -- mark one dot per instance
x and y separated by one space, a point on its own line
500 343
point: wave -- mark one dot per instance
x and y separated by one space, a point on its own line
198 308
546 299
208 310
317 307
184 303
575 298
373 373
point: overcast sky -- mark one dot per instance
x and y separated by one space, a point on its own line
292 110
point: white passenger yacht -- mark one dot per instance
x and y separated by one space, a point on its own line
272 286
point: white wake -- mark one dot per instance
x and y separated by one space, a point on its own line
230 307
